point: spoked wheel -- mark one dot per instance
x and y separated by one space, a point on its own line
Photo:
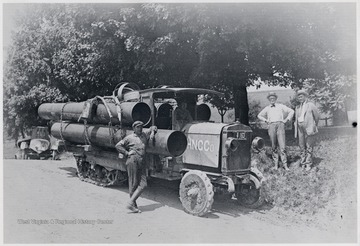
196 193
248 196
111 176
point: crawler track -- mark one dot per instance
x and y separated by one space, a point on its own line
97 174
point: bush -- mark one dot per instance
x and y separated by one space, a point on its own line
309 193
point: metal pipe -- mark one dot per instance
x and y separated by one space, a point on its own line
203 112
166 142
130 112
163 115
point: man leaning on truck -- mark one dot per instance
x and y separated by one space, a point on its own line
133 147
276 115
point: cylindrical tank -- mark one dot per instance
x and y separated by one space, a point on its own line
130 112
166 142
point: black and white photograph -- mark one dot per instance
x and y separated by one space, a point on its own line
179 122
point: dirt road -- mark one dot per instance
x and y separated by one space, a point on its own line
44 202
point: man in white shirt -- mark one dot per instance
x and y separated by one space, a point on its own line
276 115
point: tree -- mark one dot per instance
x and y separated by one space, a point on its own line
230 45
252 42
335 95
21 110
85 50
49 61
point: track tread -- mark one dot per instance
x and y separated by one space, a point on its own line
83 176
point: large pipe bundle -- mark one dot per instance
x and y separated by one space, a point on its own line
166 142
130 112
203 112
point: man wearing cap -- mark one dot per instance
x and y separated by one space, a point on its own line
306 121
276 115
133 147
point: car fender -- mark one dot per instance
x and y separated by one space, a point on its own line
257 177
39 145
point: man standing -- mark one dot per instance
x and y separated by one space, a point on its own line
306 121
276 115
133 147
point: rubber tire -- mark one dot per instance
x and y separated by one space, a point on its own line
254 199
202 204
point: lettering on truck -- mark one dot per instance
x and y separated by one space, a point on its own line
201 145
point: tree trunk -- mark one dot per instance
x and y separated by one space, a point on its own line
222 112
241 103
22 132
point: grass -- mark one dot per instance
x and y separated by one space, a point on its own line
326 190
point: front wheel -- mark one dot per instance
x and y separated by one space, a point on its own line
249 196
196 193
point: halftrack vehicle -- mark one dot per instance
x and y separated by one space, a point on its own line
207 157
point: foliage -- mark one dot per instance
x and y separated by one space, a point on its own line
223 104
288 190
255 109
333 93
26 105
309 193
86 49
52 59
334 96
252 42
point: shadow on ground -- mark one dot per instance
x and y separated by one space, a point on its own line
166 193
71 171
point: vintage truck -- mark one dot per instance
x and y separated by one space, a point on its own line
208 157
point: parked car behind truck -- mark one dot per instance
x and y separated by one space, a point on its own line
40 145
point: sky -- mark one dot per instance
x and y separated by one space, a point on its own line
10 11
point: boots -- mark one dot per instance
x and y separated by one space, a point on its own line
132 208
132 203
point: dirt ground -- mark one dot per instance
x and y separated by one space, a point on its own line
45 202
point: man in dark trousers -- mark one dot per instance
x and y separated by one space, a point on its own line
276 115
133 147
306 121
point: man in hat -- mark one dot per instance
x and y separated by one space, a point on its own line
133 147
276 115
306 121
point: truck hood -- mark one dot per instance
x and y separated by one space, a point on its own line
210 128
